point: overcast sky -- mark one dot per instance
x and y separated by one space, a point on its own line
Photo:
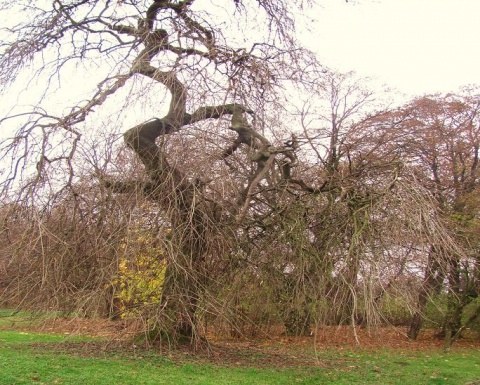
414 46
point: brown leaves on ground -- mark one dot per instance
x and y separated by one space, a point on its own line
278 350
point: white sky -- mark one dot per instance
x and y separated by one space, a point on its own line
414 46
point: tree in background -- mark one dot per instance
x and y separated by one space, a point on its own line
438 137
373 219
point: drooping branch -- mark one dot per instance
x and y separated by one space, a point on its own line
79 115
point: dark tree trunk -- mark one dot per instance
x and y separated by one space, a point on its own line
455 304
185 274
417 318
430 285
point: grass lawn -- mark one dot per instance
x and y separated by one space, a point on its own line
43 358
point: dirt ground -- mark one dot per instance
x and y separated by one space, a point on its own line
276 350
325 337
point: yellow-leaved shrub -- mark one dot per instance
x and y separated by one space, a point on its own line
141 273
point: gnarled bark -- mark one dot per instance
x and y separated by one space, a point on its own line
189 214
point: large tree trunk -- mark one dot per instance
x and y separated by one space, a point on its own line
191 216
176 196
185 274
194 220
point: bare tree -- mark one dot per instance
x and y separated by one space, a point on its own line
216 90
438 137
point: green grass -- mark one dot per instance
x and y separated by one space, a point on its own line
34 358
24 363
23 367
408 367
